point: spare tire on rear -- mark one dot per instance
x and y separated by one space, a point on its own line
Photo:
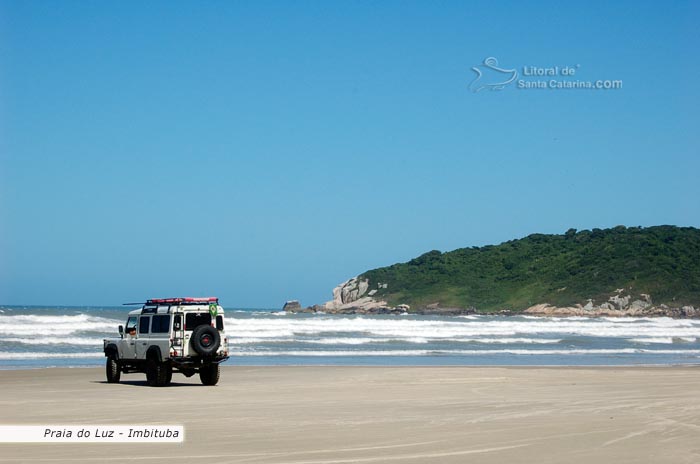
205 340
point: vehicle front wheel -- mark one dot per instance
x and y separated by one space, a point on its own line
112 368
209 375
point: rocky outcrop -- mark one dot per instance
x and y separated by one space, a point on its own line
354 296
618 305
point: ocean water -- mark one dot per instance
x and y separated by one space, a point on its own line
36 337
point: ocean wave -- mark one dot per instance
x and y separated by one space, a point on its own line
27 324
55 341
664 340
366 341
461 328
523 352
276 333
6 355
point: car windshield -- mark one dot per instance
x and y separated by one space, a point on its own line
131 323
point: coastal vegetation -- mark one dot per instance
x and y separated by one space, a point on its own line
660 263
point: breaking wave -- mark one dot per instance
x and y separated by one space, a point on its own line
266 336
463 352
55 325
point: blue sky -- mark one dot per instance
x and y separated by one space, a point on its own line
264 151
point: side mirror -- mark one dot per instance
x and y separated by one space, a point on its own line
121 331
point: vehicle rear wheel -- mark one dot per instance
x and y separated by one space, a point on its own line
157 373
112 368
209 375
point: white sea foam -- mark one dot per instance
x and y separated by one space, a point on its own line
366 341
537 341
352 341
463 352
404 328
664 340
255 340
55 341
53 355
648 340
55 325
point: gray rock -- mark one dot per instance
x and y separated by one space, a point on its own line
362 287
639 305
620 302
292 306
690 311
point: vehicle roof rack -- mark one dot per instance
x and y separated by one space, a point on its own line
183 301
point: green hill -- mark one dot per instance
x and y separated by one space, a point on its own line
562 270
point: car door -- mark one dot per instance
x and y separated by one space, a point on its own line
160 333
143 336
128 343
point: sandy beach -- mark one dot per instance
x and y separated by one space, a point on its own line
313 415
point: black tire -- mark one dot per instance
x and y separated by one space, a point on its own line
209 374
112 368
157 373
205 340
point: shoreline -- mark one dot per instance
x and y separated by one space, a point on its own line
371 414
403 366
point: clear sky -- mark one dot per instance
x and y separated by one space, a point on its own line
264 151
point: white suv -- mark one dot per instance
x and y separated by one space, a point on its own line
169 335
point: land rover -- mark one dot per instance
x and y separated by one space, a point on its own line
184 335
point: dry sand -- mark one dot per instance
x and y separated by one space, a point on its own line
372 415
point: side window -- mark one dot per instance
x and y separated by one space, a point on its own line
161 324
143 324
219 322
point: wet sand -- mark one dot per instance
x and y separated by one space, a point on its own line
314 415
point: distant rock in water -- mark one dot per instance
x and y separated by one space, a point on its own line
292 306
